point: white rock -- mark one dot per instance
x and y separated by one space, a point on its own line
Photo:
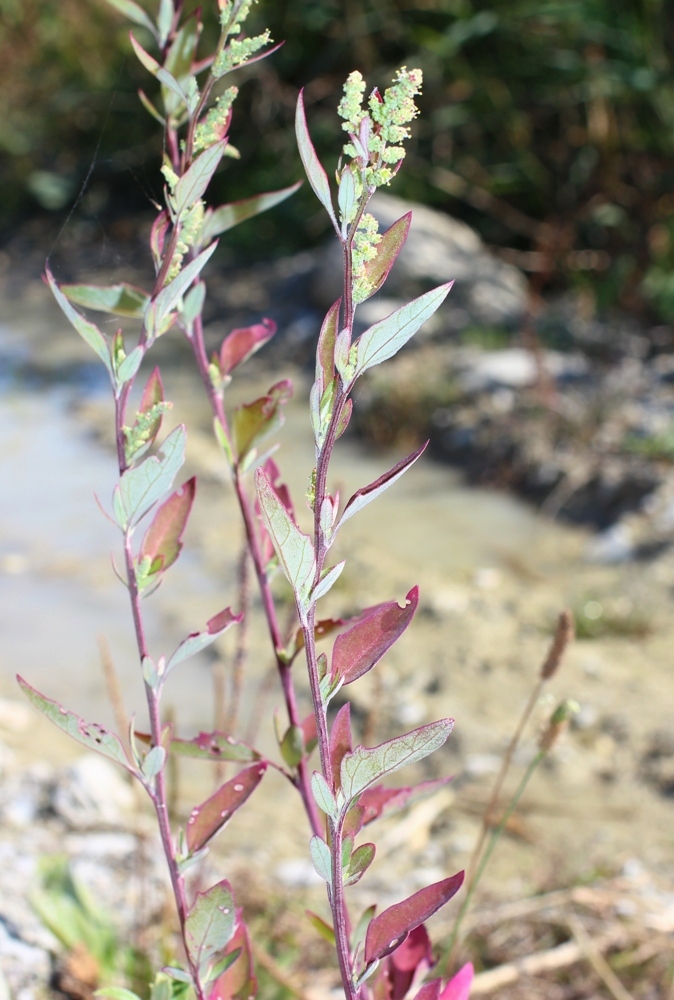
91 793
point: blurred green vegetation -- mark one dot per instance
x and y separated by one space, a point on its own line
547 124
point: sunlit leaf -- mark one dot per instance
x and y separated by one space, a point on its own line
210 925
294 549
376 271
240 344
120 299
363 767
325 352
317 177
197 641
361 647
253 422
88 331
387 930
89 734
226 217
193 183
163 539
327 581
323 797
159 308
384 339
141 486
361 498
213 814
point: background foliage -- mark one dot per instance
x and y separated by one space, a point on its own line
548 125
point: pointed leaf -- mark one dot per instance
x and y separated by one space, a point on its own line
159 308
294 549
362 646
163 75
134 12
346 195
238 982
228 216
323 928
240 344
154 762
141 486
89 332
326 582
387 930
392 241
210 817
315 173
361 498
320 856
385 338
340 741
325 352
458 987
410 961
363 767
197 641
163 539
130 365
210 925
193 183
89 734
150 108
183 47
120 299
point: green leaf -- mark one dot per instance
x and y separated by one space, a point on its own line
325 352
211 746
193 183
320 856
165 19
141 486
210 925
88 331
359 862
327 581
361 498
226 217
346 196
130 365
179 975
323 797
163 75
363 767
197 641
323 928
385 338
316 175
253 422
154 762
89 734
292 746
193 303
116 992
121 299
150 108
159 308
294 549
136 14
392 241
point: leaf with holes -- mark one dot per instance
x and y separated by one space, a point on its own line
210 746
225 217
197 641
89 734
163 540
318 179
210 925
120 299
361 498
210 817
384 339
389 929
363 767
141 486
294 549
358 650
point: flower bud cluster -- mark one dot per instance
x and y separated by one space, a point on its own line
214 127
238 52
365 241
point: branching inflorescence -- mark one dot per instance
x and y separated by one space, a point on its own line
380 956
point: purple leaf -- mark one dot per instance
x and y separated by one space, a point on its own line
458 987
206 819
89 734
358 650
393 240
325 352
238 982
257 420
309 733
226 217
158 236
210 746
429 991
238 346
389 929
363 767
361 498
377 800
344 418
197 641
385 338
318 179
163 539
210 926
340 741
409 962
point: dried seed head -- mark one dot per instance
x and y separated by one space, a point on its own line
564 634
557 723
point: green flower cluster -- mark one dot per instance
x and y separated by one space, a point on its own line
388 120
238 52
363 249
190 224
212 129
